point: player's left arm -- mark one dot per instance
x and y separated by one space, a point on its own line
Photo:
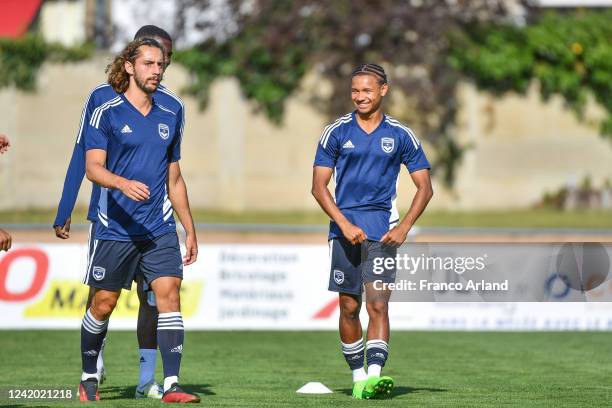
397 235
177 192
413 157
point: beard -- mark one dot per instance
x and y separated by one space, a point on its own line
144 87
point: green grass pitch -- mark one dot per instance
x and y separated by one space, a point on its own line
264 369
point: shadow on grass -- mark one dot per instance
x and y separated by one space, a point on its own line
128 392
397 391
25 405
56 402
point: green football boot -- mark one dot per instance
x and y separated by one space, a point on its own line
377 387
358 389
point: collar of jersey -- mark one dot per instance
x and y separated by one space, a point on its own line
380 125
132 107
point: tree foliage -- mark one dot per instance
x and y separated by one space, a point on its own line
426 46
21 59
267 56
278 41
568 54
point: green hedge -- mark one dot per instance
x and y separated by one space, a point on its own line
568 54
21 59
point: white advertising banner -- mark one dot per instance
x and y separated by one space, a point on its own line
257 287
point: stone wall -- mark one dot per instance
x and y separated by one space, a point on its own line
235 159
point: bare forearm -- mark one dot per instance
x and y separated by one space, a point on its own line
177 192
327 203
98 174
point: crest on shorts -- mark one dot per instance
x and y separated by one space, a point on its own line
338 277
164 130
387 144
98 273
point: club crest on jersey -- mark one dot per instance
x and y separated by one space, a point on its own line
98 273
387 144
163 130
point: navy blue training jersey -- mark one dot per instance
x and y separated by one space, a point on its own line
76 169
366 169
138 148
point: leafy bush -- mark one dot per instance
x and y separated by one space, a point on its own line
568 54
21 59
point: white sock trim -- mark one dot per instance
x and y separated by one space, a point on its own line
352 348
170 321
94 320
170 314
92 325
352 345
381 344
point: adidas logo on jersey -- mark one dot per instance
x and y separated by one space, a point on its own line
126 129
348 145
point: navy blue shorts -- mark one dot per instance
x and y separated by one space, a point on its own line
354 265
113 265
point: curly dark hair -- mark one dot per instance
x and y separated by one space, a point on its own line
118 78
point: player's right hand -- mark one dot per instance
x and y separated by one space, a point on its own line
5 143
354 234
5 240
135 190
63 232
191 250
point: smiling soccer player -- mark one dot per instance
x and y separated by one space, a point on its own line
365 150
